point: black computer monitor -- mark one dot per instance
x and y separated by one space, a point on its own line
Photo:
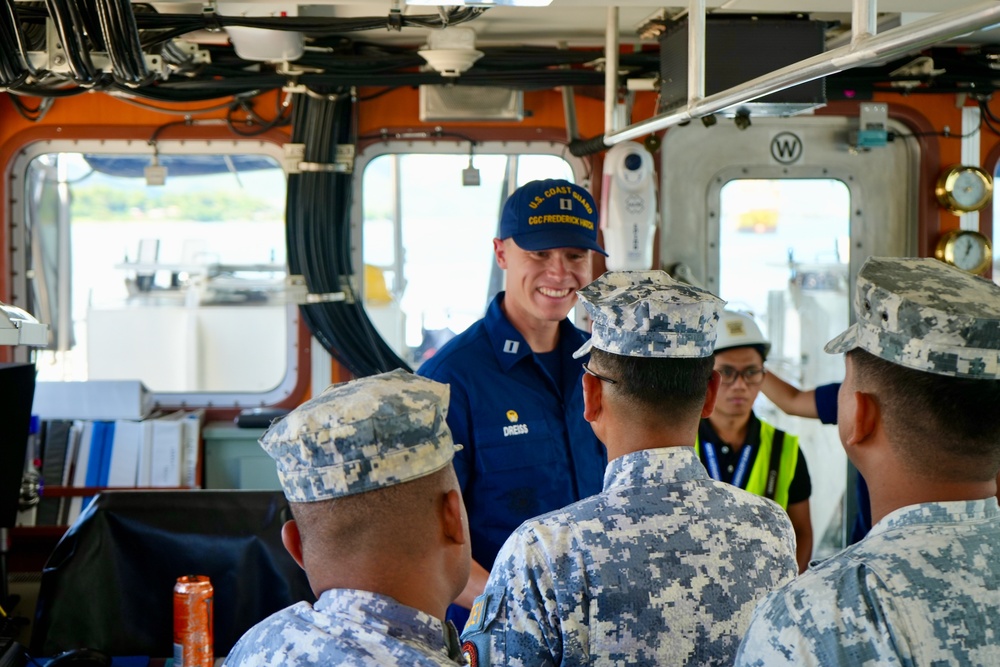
17 390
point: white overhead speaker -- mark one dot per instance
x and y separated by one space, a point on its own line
263 44
470 103
451 51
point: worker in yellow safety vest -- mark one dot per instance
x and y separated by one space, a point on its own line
737 447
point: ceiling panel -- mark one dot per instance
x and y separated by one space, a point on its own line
573 22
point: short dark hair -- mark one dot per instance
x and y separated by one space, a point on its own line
944 425
672 387
396 514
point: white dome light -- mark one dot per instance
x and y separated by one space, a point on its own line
451 51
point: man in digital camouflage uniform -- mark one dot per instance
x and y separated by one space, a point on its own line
665 565
918 415
379 528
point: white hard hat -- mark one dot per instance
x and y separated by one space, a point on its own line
739 330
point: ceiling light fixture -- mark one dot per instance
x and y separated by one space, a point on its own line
451 51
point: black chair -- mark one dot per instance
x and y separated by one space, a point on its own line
108 584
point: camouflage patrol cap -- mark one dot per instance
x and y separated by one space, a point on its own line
362 435
649 314
925 315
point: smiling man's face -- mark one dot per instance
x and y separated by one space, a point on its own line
541 284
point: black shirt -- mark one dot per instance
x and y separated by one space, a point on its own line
728 457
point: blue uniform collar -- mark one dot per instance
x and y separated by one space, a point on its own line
510 346
383 613
666 464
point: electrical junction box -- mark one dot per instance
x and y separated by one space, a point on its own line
739 48
155 174
470 176
873 126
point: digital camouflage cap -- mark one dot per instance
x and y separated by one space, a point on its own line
926 315
362 435
649 314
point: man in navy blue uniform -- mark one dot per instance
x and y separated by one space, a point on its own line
516 393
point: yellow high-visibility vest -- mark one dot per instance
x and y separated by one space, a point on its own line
770 462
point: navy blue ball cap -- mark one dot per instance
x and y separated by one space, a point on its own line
542 215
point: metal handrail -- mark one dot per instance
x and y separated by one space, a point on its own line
864 49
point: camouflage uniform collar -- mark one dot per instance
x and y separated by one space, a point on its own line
386 615
664 464
955 511
453 643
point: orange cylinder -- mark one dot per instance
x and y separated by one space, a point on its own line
193 645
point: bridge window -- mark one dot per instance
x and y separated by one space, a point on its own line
427 249
178 284
784 256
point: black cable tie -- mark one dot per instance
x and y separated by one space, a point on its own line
328 167
394 22
213 22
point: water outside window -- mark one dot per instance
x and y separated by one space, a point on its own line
171 284
784 257
427 242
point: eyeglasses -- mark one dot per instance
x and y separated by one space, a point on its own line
751 376
587 370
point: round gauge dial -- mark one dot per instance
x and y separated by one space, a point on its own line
968 250
962 189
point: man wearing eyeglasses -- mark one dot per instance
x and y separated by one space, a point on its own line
737 447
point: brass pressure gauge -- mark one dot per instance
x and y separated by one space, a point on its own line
968 250
962 189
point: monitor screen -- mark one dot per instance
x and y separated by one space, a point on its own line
17 389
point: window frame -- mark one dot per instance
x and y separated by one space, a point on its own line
582 175
296 350
861 234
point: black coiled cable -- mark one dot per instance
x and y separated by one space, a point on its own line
318 236
121 40
69 25
15 66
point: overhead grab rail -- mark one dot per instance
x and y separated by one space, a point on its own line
865 48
